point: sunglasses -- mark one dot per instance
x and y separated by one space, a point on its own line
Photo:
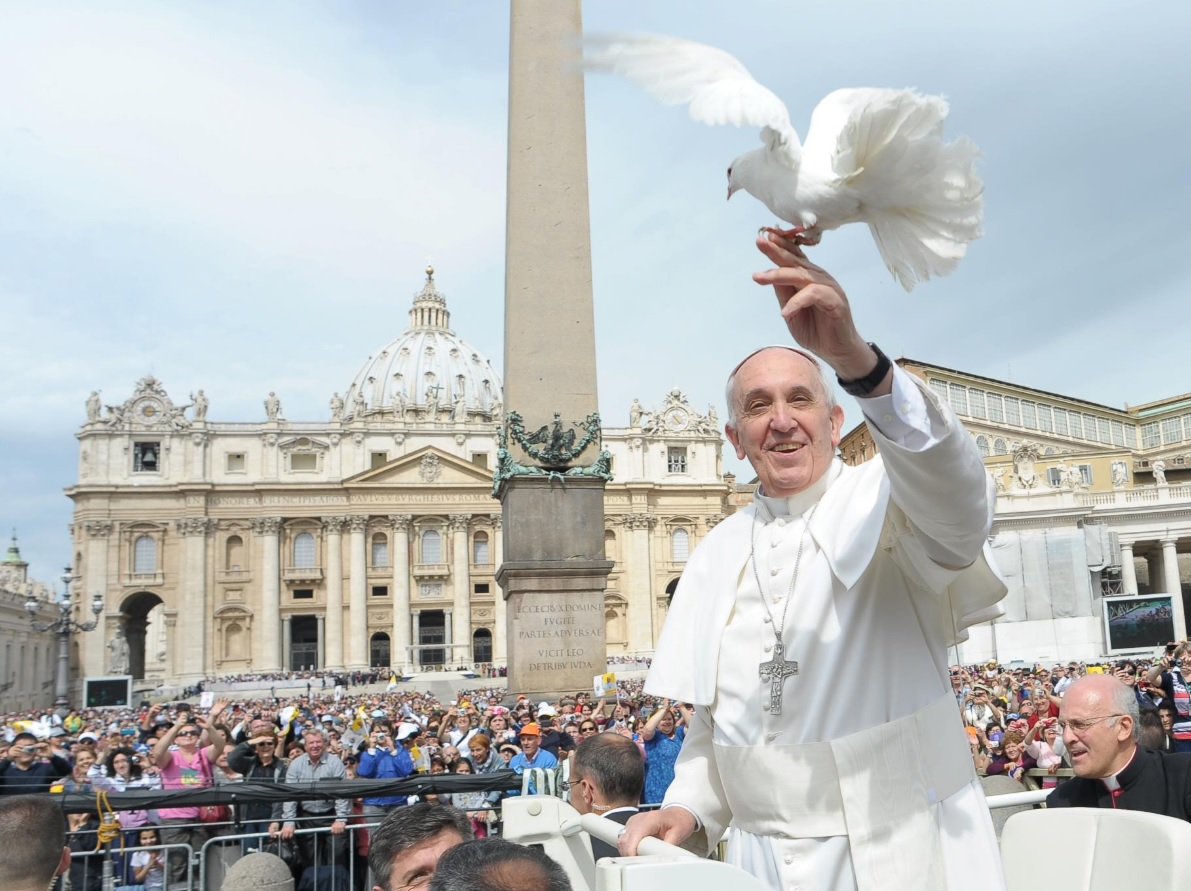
587 730
265 745
188 733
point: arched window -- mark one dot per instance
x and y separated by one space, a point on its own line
680 545
982 444
233 552
144 555
479 548
481 645
380 550
999 447
303 551
431 546
609 544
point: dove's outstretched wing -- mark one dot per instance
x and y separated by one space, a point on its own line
715 86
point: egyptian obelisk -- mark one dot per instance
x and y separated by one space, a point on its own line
554 570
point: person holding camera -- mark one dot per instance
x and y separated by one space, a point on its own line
30 767
258 761
383 759
1170 674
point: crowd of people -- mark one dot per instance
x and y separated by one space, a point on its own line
295 737
1011 714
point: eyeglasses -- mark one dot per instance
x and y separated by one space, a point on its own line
587 729
1081 726
187 733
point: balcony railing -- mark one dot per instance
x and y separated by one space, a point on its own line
233 575
302 573
431 570
143 579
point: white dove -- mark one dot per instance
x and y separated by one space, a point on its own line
871 155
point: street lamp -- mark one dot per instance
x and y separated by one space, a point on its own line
64 626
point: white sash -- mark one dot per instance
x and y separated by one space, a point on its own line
879 787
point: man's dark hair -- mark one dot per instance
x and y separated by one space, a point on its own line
613 763
1150 732
493 864
34 832
24 735
405 827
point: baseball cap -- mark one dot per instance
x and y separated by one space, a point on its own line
545 708
530 730
405 731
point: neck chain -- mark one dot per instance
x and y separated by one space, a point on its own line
776 670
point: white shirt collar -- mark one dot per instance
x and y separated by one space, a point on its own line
800 502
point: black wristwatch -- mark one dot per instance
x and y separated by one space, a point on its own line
862 386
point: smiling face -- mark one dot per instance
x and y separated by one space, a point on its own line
783 422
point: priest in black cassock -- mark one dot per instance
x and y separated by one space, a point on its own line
1099 718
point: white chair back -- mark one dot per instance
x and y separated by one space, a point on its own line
1092 849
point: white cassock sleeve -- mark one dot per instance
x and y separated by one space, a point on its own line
696 773
936 474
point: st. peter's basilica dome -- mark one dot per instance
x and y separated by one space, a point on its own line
426 372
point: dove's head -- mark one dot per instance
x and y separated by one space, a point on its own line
744 172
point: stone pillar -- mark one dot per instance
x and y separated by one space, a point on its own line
287 642
641 606
449 637
400 638
334 613
196 655
554 567
500 651
322 642
267 656
1128 570
357 610
95 578
415 616
1174 586
461 577
1156 571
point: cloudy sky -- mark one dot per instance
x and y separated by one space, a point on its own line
242 196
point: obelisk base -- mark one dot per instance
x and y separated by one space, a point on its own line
555 607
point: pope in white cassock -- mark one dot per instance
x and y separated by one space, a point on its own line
810 630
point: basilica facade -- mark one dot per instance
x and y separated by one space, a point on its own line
369 538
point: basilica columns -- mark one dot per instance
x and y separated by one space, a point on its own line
1128 570
1174 586
333 645
95 579
641 611
358 594
399 656
268 657
192 660
500 650
462 585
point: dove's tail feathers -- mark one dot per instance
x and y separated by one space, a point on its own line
921 196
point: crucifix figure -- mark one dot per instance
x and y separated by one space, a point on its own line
774 672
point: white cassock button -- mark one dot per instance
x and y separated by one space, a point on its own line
774 543
765 706
777 598
768 647
775 570
886 418
905 408
789 858
770 736
781 521
768 619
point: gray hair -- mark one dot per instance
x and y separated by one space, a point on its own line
493 864
317 731
1124 702
404 827
826 380
34 833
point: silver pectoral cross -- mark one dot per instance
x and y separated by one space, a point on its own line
774 672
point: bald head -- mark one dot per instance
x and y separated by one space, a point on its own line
1100 720
732 398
